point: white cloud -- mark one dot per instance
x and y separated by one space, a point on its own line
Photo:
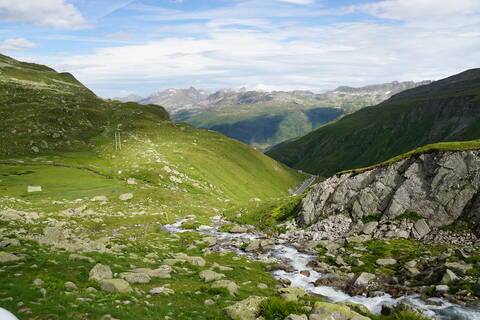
54 13
17 44
298 1
420 9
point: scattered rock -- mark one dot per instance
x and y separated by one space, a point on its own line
38 282
125 196
70 285
116 285
449 277
209 275
246 309
8 257
331 311
99 198
161 290
238 229
231 286
135 277
386 262
100 272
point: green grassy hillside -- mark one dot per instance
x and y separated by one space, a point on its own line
446 110
108 204
50 117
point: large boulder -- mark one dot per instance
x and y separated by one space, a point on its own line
116 285
246 309
100 272
231 286
8 257
331 311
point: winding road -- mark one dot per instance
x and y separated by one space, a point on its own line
305 185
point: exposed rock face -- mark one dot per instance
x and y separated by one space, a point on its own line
440 186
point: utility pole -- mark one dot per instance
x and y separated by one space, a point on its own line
118 141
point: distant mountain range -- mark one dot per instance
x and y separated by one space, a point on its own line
263 119
444 110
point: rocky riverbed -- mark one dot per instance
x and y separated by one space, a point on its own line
438 281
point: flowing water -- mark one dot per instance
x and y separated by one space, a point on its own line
440 309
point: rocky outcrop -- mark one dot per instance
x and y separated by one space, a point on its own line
440 186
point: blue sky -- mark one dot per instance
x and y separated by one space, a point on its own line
118 47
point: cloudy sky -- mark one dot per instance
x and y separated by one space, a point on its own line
117 47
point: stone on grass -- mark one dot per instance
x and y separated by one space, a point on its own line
238 229
9 243
231 286
135 277
70 285
116 285
209 275
125 196
289 297
8 257
131 181
38 282
449 277
100 272
99 198
386 261
296 291
262 286
209 302
331 311
161 290
75 256
246 309
296 317
34 189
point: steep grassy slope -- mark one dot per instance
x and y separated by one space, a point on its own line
109 204
50 116
446 110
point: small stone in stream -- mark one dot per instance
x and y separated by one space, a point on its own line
161 290
231 286
305 273
38 282
8 257
125 196
70 285
364 279
100 272
238 229
209 275
386 262
285 282
262 286
449 277
116 285
441 288
297 291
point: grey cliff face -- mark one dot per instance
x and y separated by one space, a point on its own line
440 186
